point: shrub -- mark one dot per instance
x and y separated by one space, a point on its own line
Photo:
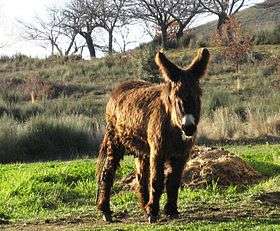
271 36
266 71
242 113
202 42
234 44
146 66
217 100
48 138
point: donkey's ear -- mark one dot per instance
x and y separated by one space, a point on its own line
199 64
168 70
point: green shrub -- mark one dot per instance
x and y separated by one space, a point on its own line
202 42
146 67
218 99
242 113
267 70
264 37
47 138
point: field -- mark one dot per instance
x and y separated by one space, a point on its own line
61 195
52 120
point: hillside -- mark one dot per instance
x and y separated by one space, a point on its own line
254 18
69 98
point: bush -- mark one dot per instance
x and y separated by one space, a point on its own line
264 37
217 100
242 113
146 66
202 42
266 71
47 138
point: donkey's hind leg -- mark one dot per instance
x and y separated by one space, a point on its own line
142 177
112 154
175 167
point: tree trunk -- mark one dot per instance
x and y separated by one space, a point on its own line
110 45
90 45
180 32
221 21
164 37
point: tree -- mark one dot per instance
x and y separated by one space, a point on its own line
156 12
50 32
234 43
183 13
222 8
123 41
81 18
111 14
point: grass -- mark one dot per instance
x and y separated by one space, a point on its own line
66 190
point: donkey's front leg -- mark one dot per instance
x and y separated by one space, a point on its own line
175 166
156 185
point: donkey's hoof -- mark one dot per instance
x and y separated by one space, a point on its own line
173 216
152 219
107 217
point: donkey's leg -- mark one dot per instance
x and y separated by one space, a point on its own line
114 153
156 185
175 169
142 177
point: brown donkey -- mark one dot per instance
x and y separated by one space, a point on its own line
157 124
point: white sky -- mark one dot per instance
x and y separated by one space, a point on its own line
11 10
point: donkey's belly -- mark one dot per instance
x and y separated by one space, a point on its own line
134 142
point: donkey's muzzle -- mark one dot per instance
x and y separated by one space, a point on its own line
189 130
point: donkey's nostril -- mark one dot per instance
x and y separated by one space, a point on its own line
189 130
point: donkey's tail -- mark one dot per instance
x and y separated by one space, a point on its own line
102 155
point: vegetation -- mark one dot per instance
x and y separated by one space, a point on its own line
53 109
262 22
69 99
57 191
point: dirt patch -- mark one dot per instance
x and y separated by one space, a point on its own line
207 165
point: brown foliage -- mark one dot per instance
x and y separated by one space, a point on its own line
235 44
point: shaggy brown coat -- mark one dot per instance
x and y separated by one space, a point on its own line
157 124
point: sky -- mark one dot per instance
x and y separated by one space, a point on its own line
13 10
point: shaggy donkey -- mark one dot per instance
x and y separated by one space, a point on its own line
157 124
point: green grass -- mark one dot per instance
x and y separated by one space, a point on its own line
56 190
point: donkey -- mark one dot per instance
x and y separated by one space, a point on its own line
157 123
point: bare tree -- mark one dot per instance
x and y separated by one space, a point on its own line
111 14
123 41
222 8
156 12
81 18
184 13
50 32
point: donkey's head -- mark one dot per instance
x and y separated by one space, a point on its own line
182 92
